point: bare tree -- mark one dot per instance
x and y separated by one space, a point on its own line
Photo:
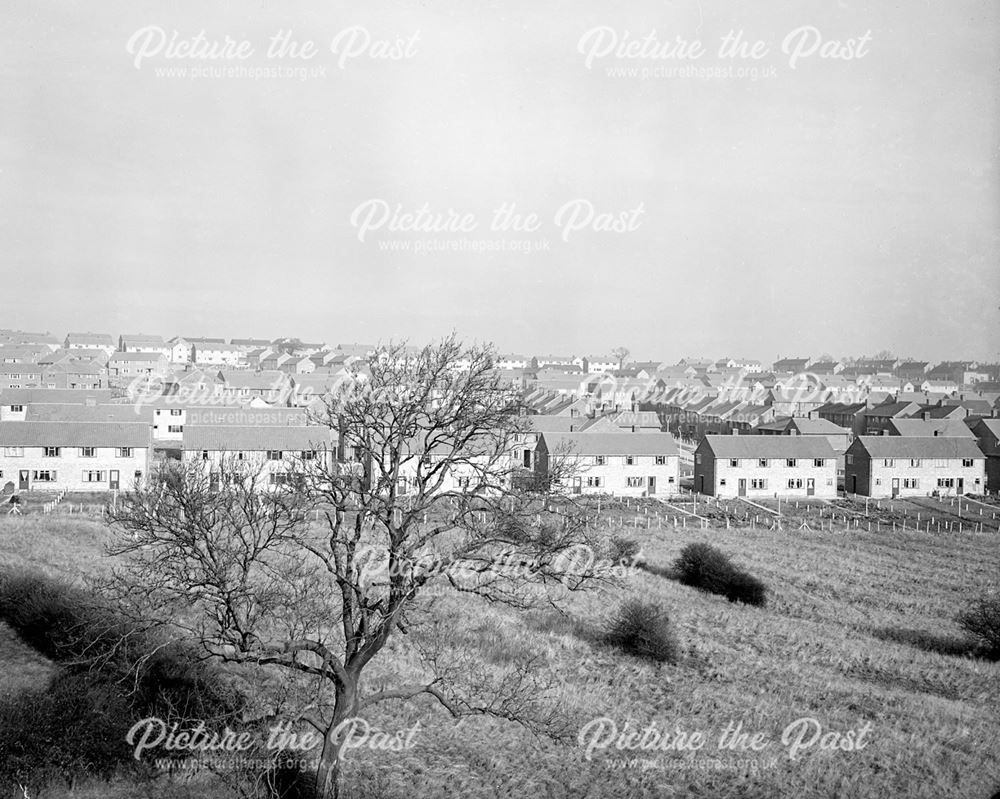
621 353
313 576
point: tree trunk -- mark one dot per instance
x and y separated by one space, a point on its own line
328 771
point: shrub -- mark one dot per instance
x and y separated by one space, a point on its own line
743 587
73 729
705 567
49 616
982 621
702 565
643 629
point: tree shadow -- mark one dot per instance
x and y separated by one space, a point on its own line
951 645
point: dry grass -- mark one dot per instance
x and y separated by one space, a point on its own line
824 648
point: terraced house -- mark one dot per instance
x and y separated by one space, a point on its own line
901 466
766 466
73 456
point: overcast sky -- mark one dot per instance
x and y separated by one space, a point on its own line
833 205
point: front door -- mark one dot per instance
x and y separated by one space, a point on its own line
960 486
22 480
743 487
810 487
701 485
652 485
854 484
895 486
577 485
113 480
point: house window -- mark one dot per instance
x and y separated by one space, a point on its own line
16 408
51 452
93 477
818 463
697 457
889 462
175 428
758 483
629 460
762 463
13 452
850 460
946 482
634 482
176 412
790 463
671 479
878 481
722 481
204 454
966 462
794 483
734 462
87 452
594 482
914 462
274 454
44 476
599 460
308 455
660 460
123 452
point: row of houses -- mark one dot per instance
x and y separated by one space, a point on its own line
86 441
95 440
876 466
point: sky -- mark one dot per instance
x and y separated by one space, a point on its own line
833 189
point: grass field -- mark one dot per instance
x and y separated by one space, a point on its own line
860 629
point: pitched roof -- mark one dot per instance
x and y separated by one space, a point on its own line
649 419
236 438
268 379
988 433
611 443
136 357
74 434
546 423
71 412
768 446
90 338
917 447
141 338
950 428
817 427
888 409
26 396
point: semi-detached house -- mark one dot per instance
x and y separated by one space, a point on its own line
270 453
621 464
766 466
73 456
891 466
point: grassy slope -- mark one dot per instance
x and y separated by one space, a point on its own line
815 651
